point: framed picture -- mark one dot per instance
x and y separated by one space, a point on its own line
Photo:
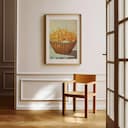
63 38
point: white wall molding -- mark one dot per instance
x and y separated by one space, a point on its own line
54 83
29 88
58 73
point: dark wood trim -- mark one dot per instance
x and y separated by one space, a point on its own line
63 99
111 62
110 122
124 63
6 67
86 101
108 89
123 59
94 98
111 32
106 63
74 98
123 20
116 65
6 102
108 1
123 97
78 96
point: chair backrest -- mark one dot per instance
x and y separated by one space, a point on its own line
84 78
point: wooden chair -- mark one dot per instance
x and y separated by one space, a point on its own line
87 80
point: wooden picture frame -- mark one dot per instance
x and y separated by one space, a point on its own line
63 38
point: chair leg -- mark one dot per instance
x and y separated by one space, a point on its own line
64 105
94 98
74 104
63 100
94 104
86 102
74 99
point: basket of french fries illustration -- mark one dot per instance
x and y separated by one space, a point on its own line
63 41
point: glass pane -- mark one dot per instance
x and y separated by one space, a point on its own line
126 81
111 47
108 75
121 113
108 49
111 108
126 8
126 114
121 41
108 18
111 15
121 9
108 103
111 76
126 39
121 78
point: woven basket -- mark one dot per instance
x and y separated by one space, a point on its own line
62 48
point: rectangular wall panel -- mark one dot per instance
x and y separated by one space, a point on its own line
40 90
7 46
1 30
8 30
8 80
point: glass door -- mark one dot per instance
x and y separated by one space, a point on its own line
117 63
110 35
111 64
123 63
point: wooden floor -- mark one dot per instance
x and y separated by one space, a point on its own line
50 119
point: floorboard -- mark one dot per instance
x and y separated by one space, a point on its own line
50 119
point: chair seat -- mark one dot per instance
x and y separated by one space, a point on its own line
78 93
